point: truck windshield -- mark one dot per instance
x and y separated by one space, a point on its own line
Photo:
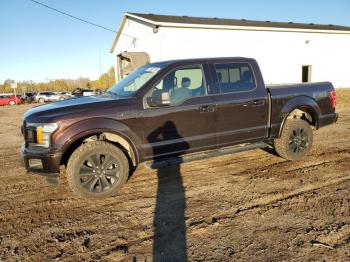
133 82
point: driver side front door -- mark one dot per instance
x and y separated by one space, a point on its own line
187 123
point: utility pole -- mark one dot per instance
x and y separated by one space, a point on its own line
99 59
14 87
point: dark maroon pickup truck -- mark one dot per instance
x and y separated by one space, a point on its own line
171 112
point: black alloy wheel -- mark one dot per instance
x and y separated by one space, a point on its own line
298 140
99 172
295 140
97 169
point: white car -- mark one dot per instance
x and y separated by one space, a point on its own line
48 96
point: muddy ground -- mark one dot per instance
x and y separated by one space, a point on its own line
252 206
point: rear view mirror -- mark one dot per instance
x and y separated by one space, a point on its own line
159 99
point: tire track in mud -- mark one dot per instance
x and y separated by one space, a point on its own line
10 161
43 205
49 208
270 199
285 166
124 244
263 202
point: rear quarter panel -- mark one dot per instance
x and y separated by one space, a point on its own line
312 97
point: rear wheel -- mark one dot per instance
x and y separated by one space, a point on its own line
41 100
295 140
11 103
97 169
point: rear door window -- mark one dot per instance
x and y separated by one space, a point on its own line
235 77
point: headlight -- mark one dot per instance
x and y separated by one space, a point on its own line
43 133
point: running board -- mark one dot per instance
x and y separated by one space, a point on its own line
203 155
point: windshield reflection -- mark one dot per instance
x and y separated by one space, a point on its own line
128 86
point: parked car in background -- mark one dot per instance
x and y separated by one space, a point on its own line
8 99
82 92
66 94
28 97
48 96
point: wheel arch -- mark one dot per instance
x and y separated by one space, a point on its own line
110 130
301 107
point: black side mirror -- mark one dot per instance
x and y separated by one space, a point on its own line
158 100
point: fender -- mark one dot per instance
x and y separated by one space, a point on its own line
304 103
92 126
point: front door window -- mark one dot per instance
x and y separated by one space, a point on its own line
178 86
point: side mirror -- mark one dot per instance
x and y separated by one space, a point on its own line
159 100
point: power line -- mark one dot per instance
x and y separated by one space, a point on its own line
77 18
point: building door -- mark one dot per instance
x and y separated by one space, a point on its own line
306 73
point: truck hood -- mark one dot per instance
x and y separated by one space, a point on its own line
76 108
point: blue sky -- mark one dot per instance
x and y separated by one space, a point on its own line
39 44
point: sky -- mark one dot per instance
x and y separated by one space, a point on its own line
39 44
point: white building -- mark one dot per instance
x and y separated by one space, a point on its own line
286 52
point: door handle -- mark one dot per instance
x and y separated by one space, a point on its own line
204 109
207 108
255 103
259 102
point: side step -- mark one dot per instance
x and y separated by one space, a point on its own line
203 155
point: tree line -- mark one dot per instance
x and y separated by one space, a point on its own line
105 81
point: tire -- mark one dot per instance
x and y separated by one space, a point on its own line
87 173
61 98
295 140
12 103
41 100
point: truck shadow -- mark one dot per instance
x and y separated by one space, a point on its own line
169 237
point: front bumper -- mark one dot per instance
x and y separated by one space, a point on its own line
41 162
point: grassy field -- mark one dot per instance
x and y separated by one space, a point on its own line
343 97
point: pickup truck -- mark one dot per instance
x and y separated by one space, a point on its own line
169 112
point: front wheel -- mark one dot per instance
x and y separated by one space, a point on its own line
97 169
295 140
12 103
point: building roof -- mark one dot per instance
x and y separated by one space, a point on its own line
159 19
214 23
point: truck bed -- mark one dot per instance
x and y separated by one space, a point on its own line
284 97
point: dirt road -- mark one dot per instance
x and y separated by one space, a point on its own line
252 206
